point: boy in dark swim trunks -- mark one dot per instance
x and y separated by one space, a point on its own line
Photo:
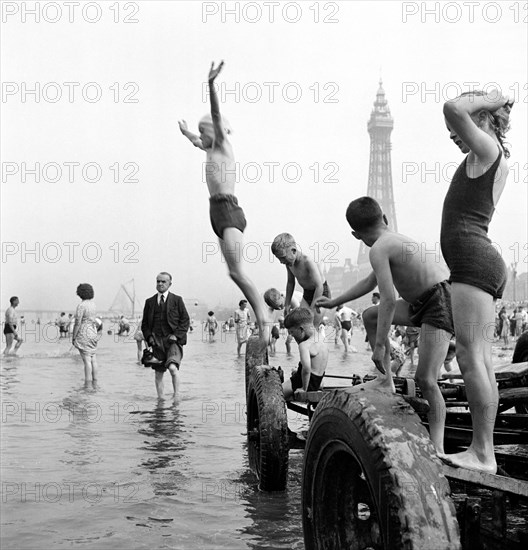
303 269
426 302
227 218
314 354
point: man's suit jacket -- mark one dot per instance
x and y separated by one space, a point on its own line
176 316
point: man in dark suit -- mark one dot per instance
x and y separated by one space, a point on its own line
165 324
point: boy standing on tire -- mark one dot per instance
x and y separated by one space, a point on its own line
314 355
425 302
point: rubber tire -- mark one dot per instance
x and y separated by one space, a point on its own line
254 356
368 447
520 354
267 419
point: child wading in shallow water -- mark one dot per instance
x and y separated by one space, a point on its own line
227 218
477 122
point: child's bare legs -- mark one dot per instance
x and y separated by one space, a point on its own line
289 339
433 346
370 322
94 368
287 389
232 245
473 313
139 350
90 367
344 338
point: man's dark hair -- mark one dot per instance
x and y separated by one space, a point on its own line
364 213
13 299
376 295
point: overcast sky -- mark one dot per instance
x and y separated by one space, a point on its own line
298 91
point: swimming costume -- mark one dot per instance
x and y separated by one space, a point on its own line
8 330
434 308
467 249
296 380
224 212
309 293
347 325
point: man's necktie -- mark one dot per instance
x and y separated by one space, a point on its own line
162 300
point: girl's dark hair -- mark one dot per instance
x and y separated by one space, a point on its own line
85 291
499 120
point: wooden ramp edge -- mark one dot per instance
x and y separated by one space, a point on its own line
490 481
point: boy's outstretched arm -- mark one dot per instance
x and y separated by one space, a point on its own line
215 106
193 138
290 287
379 258
361 288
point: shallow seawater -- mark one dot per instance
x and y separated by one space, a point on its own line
114 468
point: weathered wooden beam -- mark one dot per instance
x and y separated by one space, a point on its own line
489 481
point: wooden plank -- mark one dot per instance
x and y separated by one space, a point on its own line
489 481
502 372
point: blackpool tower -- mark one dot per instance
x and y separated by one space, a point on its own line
379 186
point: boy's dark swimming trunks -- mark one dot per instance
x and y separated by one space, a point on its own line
308 294
224 212
434 308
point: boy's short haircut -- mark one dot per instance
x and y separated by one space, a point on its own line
207 118
364 213
13 299
376 295
242 302
298 317
210 313
282 241
273 298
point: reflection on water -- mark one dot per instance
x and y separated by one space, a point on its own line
166 443
82 412
128 471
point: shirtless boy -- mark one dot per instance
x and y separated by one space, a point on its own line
227 218
275 302
308 274
426 302
313 354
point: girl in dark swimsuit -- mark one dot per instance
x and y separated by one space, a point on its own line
477 122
